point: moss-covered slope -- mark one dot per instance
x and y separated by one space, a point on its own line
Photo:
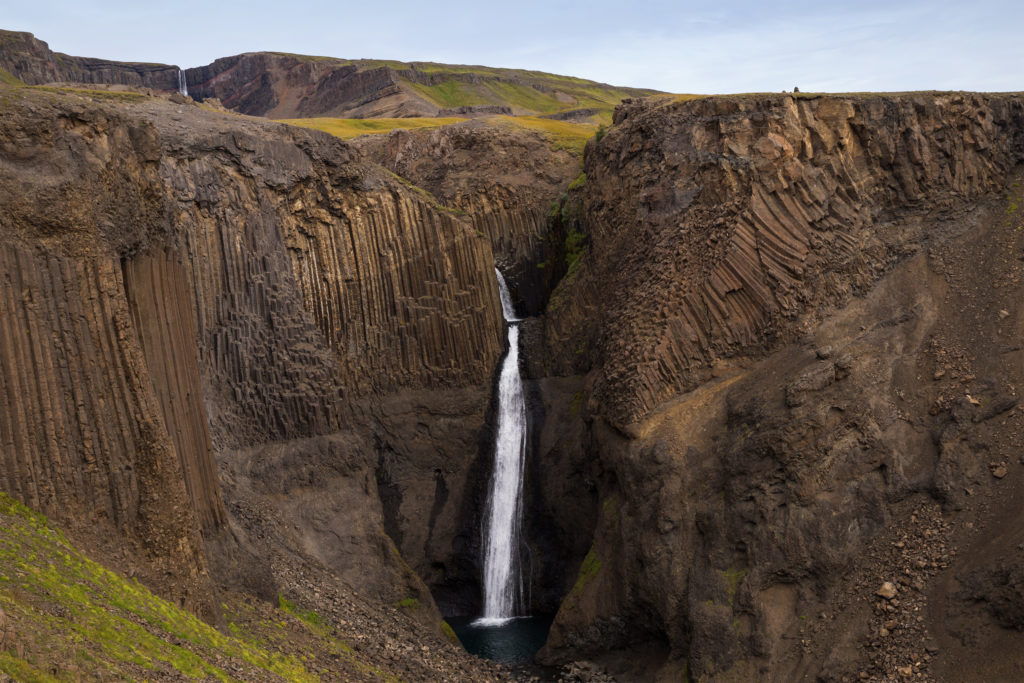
68 616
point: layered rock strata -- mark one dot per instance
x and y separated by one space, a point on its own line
32 61
279 85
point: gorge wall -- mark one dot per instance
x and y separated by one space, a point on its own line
202 316
772 295
503 178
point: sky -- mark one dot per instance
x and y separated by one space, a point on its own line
684 47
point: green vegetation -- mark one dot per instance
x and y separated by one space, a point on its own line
527 91
108 95
571 137
452 93
308 616
411 604
449 633
588 570
579 182
566 135
59 601
350 128
732 578
6 78
577 403
1013 202
574 250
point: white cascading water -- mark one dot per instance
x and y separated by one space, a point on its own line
502 582
182 85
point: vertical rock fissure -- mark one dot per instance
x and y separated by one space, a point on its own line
503 588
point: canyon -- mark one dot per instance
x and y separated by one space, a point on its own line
770 353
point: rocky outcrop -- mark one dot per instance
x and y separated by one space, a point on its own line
32 61
718 225
786 334
200 312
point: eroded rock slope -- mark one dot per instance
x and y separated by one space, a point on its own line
798 318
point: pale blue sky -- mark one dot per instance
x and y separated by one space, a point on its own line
710 47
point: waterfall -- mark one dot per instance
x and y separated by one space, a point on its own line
502 577
182 85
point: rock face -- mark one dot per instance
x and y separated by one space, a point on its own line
32 61
200 314
773 396
281 86
717 225
774 295
502 177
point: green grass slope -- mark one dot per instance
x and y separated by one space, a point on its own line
69 618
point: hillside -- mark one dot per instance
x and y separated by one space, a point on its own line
32 61
281 86
64 617
278 86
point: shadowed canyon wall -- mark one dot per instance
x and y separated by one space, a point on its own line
188 296
767 286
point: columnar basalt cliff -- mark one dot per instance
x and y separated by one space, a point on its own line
772 365
201 315
720 225
789 349
503 177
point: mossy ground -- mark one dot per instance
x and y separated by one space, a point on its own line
567 135
589 570
73 618
350 128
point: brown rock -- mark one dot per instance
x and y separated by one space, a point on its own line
887 590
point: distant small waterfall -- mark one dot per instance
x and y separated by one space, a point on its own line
502 576
182 85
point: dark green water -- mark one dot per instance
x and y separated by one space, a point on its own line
514 642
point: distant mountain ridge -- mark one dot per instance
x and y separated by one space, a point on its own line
31 60
280 85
